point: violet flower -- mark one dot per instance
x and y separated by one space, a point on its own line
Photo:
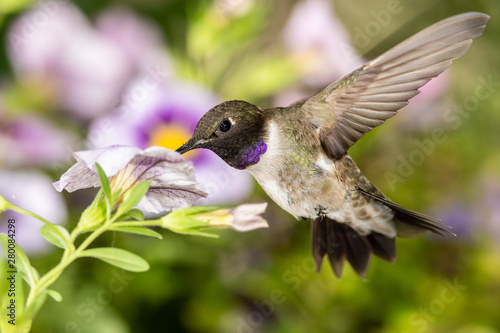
84 67
317 38
459 217
140 40
30 140
319 45
166 115
34 192
173 184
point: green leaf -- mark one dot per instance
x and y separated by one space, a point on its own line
133 214
93 216
22 262
137 230
132 197
54 294
59 238
104 181
119 258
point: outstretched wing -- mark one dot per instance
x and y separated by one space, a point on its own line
347 109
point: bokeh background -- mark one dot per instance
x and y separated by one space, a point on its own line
85 74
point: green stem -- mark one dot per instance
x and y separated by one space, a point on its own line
38 217
49 278
68 257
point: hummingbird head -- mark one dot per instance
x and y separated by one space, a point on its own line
234 130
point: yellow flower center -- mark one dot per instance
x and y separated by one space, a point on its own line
124 181
171 136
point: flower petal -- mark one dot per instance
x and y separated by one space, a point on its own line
248 217
112 159
173 184
178 194
242 218
172 103
76 178
83 174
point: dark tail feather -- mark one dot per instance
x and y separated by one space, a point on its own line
326 239
358 249
340 242
382 246
410 223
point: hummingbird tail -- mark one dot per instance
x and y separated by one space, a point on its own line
339 242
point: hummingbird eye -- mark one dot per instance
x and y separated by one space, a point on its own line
225 126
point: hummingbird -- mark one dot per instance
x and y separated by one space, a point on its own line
298 154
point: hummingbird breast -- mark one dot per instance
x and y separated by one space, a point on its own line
298 175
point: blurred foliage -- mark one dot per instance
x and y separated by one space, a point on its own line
264 281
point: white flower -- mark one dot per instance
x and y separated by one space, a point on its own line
194 220
242 218
173 184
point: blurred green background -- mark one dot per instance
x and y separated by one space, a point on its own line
268 53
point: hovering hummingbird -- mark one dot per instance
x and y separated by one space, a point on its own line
298 154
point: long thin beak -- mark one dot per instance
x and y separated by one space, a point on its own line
183 149
190 146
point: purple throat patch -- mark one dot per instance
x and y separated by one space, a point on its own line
250 155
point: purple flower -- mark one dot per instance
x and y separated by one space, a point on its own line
173 184
85 69
31 140
315 35
138 39
319 45
166 115
459 217
32 191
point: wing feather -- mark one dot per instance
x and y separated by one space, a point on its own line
347 109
